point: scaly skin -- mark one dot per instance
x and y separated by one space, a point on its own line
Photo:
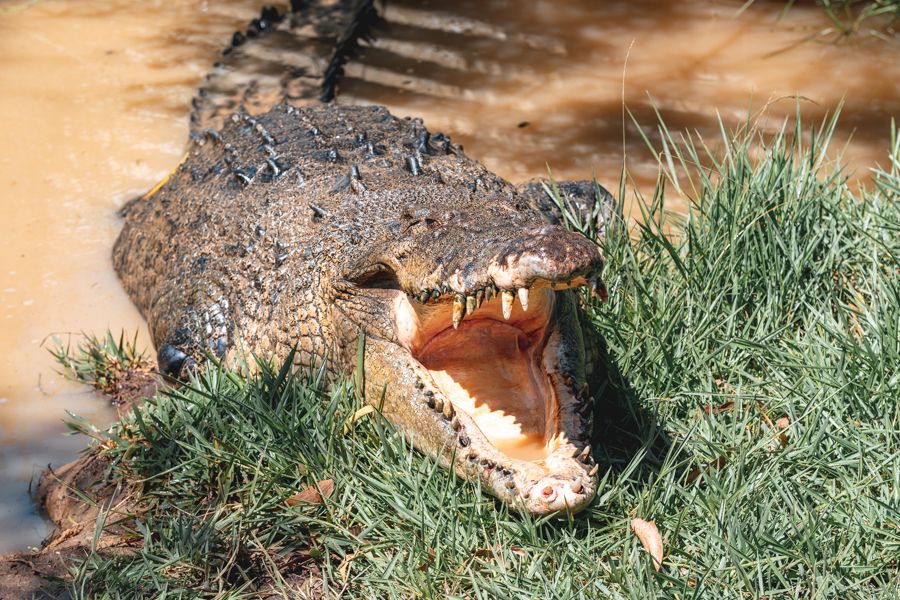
303 227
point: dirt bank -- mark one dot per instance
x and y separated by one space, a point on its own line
72 497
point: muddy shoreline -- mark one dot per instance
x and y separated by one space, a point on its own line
60 496
72 498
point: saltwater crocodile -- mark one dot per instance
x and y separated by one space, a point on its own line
305 232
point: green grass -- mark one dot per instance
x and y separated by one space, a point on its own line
99 361
848 16
751 411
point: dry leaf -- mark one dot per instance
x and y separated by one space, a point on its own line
712 410
647 532
517 551
783 423
311 495
344 567
368 408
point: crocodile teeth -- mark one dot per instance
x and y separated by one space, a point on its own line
593 471
479 298
507 298
423 297
523 298
459 311
449 412
585 453
577 486
470 305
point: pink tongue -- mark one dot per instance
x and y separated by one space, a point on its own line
488 371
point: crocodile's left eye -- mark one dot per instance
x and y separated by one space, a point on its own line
380 277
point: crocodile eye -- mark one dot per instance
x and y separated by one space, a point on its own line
381 277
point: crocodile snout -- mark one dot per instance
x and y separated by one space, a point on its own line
545 253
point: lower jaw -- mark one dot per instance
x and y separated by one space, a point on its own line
496 380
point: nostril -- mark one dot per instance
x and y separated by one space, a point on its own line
547 491
172 361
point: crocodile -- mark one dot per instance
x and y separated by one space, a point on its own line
323 233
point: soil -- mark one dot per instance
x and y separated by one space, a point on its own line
61 492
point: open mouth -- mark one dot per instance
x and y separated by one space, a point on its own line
503 360
490 366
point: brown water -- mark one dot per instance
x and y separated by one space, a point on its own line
94 98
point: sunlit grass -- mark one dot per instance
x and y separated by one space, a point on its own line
752 411
849 16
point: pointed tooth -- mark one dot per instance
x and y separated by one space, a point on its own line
593 470
586 452
523 298
459 311
507 298
577 486
479 298
423 297
449 412
470 305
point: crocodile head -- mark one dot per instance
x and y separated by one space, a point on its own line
291 232
475 346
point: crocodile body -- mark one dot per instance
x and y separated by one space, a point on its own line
308 229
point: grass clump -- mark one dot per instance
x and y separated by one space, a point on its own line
114 366
752 352
848 16
99 361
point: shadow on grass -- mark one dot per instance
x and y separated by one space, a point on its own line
623 428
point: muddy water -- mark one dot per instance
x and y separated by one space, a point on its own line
94 99
527 85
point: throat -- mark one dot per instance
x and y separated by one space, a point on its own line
492 371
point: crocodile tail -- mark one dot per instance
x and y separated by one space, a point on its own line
361 27
297 58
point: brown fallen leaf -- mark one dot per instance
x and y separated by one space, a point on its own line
783 423
712 410
344 567
647 532
311 495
